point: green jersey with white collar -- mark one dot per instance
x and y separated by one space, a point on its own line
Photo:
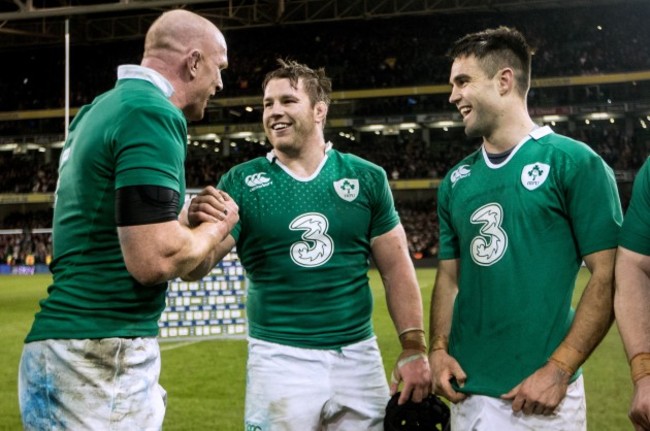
305 245
520 230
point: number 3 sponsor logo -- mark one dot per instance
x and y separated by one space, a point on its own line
489 247
316 246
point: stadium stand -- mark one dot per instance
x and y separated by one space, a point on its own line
372 55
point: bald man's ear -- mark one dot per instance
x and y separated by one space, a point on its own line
193 61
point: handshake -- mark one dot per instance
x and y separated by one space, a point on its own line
212 206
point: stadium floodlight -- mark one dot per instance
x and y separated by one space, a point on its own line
552 118
600 116
445 124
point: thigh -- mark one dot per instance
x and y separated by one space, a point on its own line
91 384
360 389
286 387
481 413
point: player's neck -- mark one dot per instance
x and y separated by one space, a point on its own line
507 136
303 163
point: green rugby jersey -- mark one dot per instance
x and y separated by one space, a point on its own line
130 135
635 233
520 230
305 244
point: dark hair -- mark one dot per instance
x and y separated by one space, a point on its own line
317 85
495 49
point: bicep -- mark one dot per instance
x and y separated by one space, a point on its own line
148 241
149 250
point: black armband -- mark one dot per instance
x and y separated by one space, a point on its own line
136 205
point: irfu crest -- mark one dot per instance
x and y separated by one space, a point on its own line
347 189
534 175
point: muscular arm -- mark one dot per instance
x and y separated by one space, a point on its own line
595 312
442 299
390 252
208 205
216 255
158 252
403 297
632 302
444 367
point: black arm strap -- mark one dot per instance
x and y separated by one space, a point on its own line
137 205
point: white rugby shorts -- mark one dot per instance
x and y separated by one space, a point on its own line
482 413
295 389
99 384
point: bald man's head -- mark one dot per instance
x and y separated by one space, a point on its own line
190 52
176 31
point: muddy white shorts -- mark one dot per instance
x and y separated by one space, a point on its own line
295 389
481 413
101 384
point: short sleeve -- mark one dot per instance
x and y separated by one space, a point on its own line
593 204
384 216
635 233
150 148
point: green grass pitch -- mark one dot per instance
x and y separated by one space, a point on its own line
205 380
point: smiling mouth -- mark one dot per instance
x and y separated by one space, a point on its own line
280 126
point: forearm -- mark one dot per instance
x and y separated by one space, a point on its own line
217 254
404 301
442 304
594 315
403 295
159 252
198 250
632 301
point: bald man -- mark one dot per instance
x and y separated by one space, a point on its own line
91 360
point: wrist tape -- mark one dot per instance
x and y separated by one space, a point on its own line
439 342
413 339
567 358
640 366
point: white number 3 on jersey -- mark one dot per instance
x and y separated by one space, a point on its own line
490 246
317 247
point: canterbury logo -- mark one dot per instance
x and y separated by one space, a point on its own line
460 173
257 180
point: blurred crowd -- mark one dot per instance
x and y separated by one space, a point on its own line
377 53
24 247
404 155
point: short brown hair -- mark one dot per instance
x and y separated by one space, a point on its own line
497 48
317 85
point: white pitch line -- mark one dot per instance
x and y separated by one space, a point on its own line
165 347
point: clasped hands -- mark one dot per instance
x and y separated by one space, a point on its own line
212 206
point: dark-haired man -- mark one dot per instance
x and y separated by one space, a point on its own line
517 219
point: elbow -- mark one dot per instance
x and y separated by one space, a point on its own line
150 280
150 274
191 277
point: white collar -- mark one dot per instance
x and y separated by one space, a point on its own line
540 132
536 134
271 157
133 71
